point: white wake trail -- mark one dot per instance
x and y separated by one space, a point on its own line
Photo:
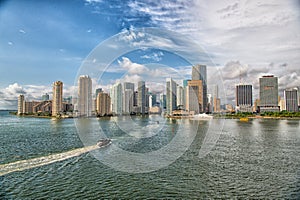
45 160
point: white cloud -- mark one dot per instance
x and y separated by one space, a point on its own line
10 43
22 31
156 56
132 68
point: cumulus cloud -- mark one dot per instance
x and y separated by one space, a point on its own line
132 68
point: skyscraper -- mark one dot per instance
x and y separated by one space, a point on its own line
180 96
291 100
142 97
199 73
163 101
268 93
128 97
57 98
170 95
103 103
21 104
85 96
195 96
243 98
116 98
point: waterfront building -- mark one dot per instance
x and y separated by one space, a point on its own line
116 99
291 100
179 96
199 72
170 95
217 105
45 97
195 96
85 101
103 104
57 98
243 98
268 94
44 107
163 101
21 104
210 103
128 97
141 100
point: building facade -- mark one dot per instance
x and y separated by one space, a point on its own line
116 99
170 95
199 72
141 100
57 98
268 94
21 104
195 96
243 98
128 97
291 98
85 101
103 104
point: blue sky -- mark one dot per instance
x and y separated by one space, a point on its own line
45 41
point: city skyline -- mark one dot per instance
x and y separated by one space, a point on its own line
245 41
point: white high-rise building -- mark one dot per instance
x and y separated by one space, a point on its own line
170 95
85 101
180 96
128 97
57 98
142 97
21 104
116 99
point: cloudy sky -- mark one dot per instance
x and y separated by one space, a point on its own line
45 41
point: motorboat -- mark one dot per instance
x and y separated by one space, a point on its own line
104 142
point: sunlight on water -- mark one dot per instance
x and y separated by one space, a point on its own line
45 160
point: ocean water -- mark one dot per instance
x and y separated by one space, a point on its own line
255 159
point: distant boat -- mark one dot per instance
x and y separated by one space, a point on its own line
244 119
104 142
202 117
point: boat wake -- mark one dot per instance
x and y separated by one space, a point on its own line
45 160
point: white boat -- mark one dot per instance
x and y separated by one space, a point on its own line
104 142
202 117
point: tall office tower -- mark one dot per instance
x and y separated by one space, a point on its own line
170 95
150 100
243 98
217 105
116 98
98 90
21 104
85 101
291 100
57 98
103 104
45 97
141 97
268 93
128 97
210 100
179 96
195 96
163 101
199 73
154 100
135 99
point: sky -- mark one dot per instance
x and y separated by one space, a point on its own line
46 41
